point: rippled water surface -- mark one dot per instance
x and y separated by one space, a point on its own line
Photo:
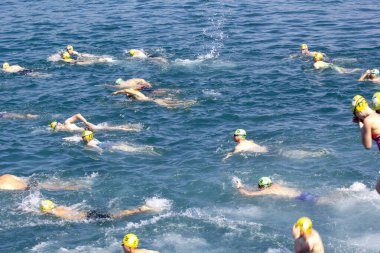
238 60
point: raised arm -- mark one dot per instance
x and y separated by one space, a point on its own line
79 116
364 76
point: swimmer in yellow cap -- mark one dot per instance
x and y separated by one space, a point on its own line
131 242
372 75
368 119
13 183
68 213
320 64
306 239
305 50
140 54
18 69
69 125
71 52
137 95
245 145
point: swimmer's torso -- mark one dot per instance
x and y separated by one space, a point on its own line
249 146
68 213
279 190
14 69
10 182
322 65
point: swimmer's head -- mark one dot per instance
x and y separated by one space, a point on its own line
318 56
358 104
54 124
264 182
87 136
66 55
376 101
241 133
304 46
6 65
46 205
69 47
375 73
305 224
131 52
131 241
119 80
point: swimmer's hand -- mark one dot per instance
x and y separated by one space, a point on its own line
115 93
237 182
296 232
145 208
229 154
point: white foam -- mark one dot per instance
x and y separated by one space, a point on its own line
126 127
158 204
370 241
301 154
72 139
126 147
54 57
180 243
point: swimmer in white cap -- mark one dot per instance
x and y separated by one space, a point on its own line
372 75
245 145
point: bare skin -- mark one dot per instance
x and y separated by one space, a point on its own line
13 183
245 146
137 95
307 52
135 250
140 54
69 125
325 65
307 242
18 116
370 121
14 69
367 76
274 189
68 213
134 83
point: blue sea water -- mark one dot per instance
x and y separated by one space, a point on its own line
238 60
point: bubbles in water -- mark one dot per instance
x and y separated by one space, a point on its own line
158 204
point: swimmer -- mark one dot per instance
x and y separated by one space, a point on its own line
305 50
244 145
18 69
267 187
320 64
140 54
69 125
12 183
88 139
376 102
371 75
369 121
130 244
137 95
6 115
64 212
306 239
71 52
66 57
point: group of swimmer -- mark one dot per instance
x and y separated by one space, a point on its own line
306 238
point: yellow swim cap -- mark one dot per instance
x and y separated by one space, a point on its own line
318 56
305 224
131 240
376 101
131 52
46 205
69 47
303 46
66 56
53 124
87 135
358 104
6 65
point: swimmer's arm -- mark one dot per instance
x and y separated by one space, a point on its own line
55 187
246 192
123 213
81 118
70 215
366 136
120 92
228 155
364 76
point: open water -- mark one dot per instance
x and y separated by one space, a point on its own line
238 60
